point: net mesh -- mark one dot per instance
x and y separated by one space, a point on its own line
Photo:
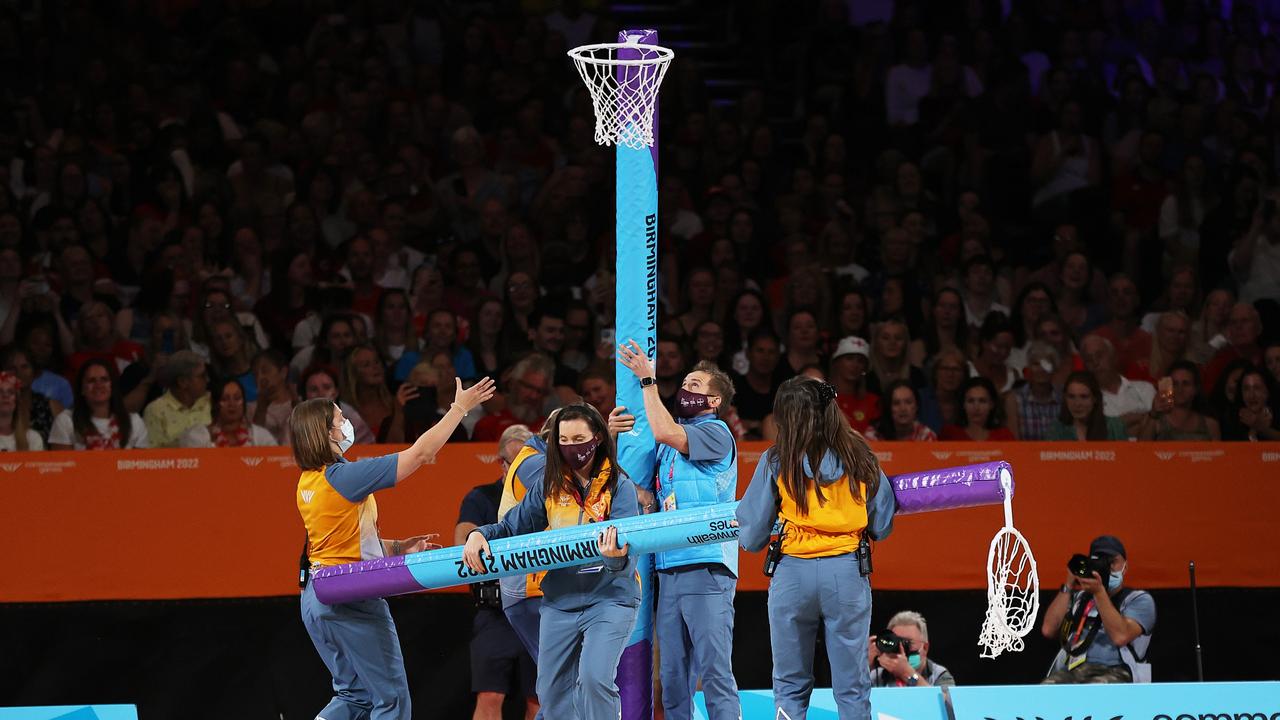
1013 594
623 79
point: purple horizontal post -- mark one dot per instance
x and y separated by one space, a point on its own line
951 488
362 580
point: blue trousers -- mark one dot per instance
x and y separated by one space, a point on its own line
578 660
358 643
804 593
525 617
695 638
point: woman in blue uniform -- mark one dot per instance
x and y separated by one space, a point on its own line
587 612
816 480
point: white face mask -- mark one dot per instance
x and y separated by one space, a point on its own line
348 436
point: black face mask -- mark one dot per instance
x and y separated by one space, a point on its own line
579 455
690 404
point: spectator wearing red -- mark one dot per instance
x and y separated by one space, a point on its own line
96 339
1131 342
358 271
1244 328
984 420
528 388
1173 334
849 365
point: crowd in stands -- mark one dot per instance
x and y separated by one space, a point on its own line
978 220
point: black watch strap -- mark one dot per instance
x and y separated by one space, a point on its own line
647 381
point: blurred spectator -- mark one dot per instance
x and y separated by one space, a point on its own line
1055 332
336 337
995 342
1123 398
394 337
1244 328
1255 258
849 365
1181 295
708 343
420 403
940 402
596 386
1173 332
487 341
215 304
944 329
291 298
1066 168
670 366
1075 300
40 409
16 432
901 422
1033 406
527 389
364 385
96 339
1183 211
97 420
1180 414
230 425
979 275
749 313
769 428
1271 360
185 403
320 381
1034 303
1254 414
802 345
854 316
889 357
231 355
755 390
983 418
1082 417
276 396
1130 341
441 335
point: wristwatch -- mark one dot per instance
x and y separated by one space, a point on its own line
1065 588
914 679
647 381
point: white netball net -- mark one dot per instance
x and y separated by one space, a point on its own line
1013 587
623 79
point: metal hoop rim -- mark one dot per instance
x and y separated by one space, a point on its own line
581 54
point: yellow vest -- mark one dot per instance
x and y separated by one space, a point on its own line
513 491
832 528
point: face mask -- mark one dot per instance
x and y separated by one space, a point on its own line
914 661
689 404
348 436
1116 580
579 456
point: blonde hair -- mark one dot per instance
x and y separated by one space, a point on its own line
879 366
309 426
349 384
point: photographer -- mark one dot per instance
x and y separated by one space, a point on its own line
1103 627
900 656
499 661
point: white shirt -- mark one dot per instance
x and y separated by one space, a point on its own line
1263 279
200 437
1010 378
9 443
975 320
1133 396
63 431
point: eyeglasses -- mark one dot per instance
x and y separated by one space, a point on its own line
210 306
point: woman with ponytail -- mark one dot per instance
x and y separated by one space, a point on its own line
823 483
587 612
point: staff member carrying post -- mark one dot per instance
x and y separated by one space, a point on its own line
696 466
357 641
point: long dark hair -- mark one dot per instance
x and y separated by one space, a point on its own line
557 478
1232 428
82 418
1020 338
884 425
809 424
932 344
995 418
1097 425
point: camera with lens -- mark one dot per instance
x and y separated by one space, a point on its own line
1084 566
890 644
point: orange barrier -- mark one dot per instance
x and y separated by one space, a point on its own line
163 524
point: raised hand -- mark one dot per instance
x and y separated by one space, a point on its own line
470 398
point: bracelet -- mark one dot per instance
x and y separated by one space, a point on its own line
456 406
1065 588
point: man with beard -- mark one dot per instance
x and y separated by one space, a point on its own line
527 390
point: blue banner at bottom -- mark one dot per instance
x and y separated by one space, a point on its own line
71 712
1155 701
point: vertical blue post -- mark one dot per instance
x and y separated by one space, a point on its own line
636 312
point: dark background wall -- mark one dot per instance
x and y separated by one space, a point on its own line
252 659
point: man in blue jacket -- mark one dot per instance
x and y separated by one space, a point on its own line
697 465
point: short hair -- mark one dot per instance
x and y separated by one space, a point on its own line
719 381
761 333
545 310
597 371
181 364
910 617
271 355
515 433
309 427
1043 350
533 362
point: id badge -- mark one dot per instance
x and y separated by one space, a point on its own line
669 502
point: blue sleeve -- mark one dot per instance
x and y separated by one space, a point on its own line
623 505
477 509
758 510
356 481
531 470
709 441
1141 608
529 516
881 509
464 365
